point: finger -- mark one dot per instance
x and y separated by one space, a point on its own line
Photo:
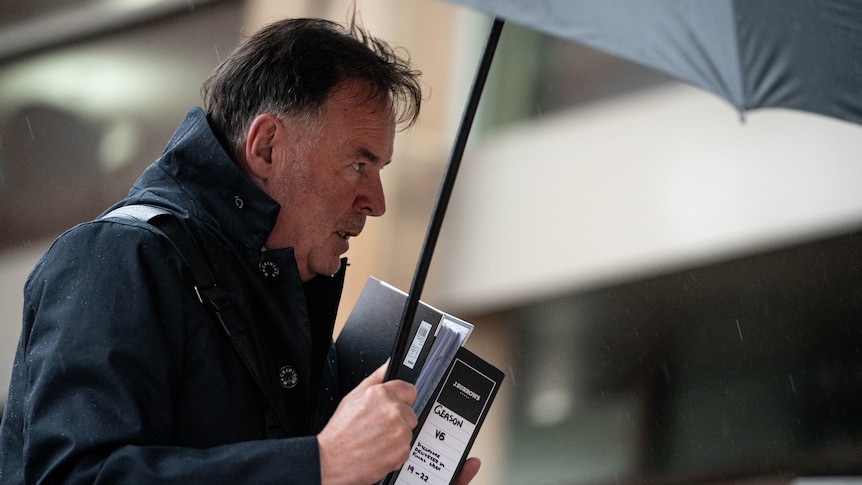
375 378
468 471
380 373
402 391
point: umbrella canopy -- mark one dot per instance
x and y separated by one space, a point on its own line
797 54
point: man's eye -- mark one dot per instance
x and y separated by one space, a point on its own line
356 166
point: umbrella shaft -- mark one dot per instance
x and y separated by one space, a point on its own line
401 340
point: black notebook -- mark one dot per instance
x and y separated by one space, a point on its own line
455 387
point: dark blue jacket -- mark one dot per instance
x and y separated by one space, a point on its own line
122 376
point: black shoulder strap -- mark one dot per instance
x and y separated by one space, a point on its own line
213 296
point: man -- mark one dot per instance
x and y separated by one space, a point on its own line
123 375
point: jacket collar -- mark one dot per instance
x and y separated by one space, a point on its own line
196 173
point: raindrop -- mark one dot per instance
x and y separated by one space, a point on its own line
30 128
512 380
666 371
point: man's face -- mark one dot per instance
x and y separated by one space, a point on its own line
327 178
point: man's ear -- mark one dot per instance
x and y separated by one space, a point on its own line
259 145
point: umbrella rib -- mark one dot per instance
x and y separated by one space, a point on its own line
400 345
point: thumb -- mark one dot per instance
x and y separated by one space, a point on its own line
375 378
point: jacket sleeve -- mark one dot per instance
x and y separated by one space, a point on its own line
100 364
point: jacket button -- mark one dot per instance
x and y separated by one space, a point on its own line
268 269
287 377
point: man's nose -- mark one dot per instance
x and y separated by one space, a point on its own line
371 200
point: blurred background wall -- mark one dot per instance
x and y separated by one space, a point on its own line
675 295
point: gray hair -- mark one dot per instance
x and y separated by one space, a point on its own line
291 67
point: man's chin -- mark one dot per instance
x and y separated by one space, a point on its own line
328 268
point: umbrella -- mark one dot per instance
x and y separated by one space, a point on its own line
796 54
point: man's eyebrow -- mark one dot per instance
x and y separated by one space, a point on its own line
366 154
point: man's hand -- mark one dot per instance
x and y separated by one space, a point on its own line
370 433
